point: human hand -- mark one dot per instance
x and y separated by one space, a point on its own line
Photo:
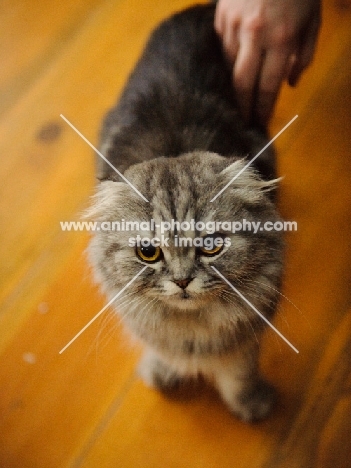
266 42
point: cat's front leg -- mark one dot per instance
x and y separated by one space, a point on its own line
157 373
238 381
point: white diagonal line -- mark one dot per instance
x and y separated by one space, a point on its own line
253 159
103 157
103 309
254 308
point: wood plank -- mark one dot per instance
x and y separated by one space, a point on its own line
319 434
151 431
31 37
332 40
49 403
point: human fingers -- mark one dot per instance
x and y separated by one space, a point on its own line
226 27
273 72
246 72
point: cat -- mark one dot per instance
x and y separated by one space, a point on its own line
177 136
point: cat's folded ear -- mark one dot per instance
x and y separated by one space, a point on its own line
247 181
108 196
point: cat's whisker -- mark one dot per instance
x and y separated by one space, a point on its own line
240 317
228 295
278 292
249 325
279 309
110 316
155 304
131 310
124 297
96 344
253 294
142 314
128 302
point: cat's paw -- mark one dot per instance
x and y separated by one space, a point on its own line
255 403
158 375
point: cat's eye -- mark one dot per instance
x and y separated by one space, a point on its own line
149 253
212 245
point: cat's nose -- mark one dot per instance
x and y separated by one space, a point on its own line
183 283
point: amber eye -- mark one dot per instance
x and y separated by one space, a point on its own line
149 254
211 245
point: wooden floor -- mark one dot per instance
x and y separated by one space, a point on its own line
86 407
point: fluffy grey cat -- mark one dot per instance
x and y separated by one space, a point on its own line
178 138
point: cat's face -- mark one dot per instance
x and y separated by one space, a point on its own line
189 232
